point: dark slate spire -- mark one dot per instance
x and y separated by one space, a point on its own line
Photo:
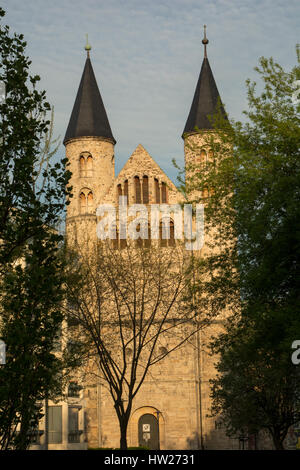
206 98
88 118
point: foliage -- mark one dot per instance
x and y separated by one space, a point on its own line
32 199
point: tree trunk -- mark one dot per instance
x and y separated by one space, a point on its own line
278 441
22 442
123 432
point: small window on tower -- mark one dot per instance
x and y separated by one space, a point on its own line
89 166
205 193
82 163
86 165
82 200
90 201
86 202
203 157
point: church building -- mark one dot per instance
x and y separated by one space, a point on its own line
172 408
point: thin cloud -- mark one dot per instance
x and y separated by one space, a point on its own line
147 57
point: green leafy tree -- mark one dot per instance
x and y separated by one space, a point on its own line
257 387
32 199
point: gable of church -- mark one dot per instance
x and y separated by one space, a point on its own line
140 165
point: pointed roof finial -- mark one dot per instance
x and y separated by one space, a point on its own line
205 42
87 47
88 118
206 101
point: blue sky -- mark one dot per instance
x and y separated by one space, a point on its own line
147 56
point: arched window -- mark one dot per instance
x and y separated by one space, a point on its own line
86 165
157 192
163 234
82 165
123 243
166 233
145 233
113 236
86 202
172 234
89 166
126 193
90 201
203 156
147 242
145 190
82 200
139 241
137 184
205 193
119 192
115 241
163 193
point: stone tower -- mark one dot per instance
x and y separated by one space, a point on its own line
198 126
89 146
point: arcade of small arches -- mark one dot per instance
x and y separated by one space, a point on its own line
141 190
141 193
166 235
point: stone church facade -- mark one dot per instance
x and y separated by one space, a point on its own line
171 410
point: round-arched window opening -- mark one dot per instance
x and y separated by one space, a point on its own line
86 201
85 165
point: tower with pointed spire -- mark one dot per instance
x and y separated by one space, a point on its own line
206 103
89 146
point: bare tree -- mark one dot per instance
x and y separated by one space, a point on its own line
131 300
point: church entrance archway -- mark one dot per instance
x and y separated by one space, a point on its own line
148 431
